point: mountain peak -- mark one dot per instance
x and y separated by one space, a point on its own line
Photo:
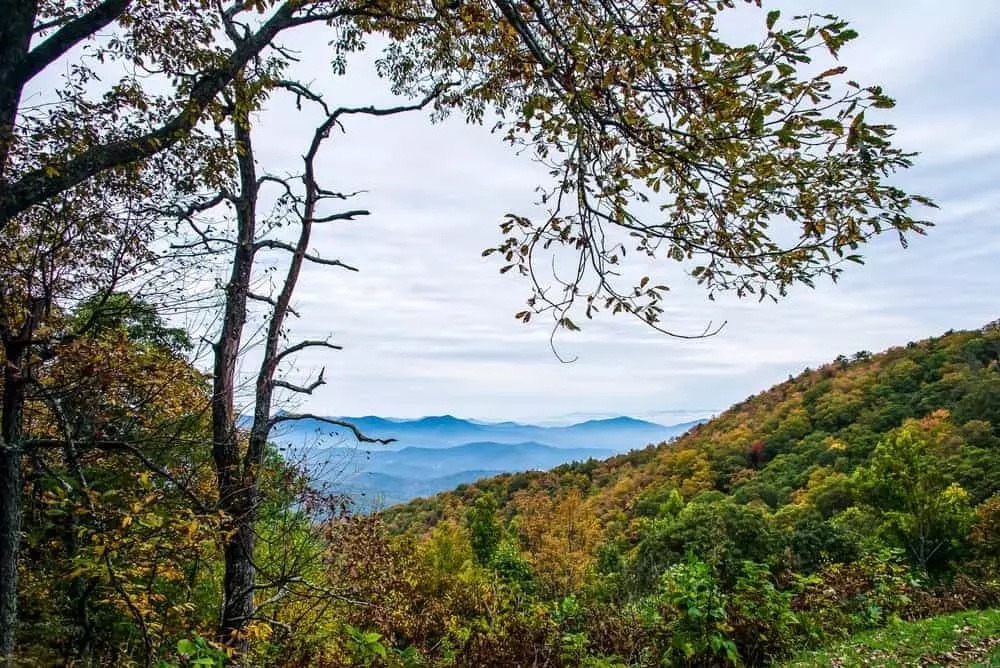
621 421
440 420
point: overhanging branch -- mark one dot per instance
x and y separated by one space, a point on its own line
121 446
281 245
64 39
358 434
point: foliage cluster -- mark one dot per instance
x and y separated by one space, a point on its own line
850 497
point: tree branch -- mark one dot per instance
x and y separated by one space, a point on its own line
64 39
302 389
302 345
120 446
270 301
358 434
45 182
345 215
281 245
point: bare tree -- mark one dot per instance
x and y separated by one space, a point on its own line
302 203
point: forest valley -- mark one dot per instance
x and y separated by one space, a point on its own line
146 516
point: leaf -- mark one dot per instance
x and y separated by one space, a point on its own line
772 18
186 647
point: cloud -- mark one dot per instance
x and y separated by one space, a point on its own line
427 323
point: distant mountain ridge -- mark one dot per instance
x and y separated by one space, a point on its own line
620 434
436 453
384 477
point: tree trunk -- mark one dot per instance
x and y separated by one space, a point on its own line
10 493
238 586
15 38
16 26
10 527
237 488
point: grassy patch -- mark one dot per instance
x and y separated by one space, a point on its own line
965 638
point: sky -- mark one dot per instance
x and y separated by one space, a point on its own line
427 323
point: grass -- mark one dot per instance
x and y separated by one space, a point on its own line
970 638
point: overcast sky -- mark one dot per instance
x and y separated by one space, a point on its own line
427 324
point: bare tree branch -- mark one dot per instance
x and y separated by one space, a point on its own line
302 389
302 345
358 434
281 245
270 301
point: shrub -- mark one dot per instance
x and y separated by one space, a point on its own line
764 626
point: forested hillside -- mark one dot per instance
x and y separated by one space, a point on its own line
846 497
778 448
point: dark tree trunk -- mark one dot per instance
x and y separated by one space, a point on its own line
239 582
10 527
237 487
15 38
10 492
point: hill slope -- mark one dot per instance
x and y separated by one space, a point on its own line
833 504
778 445
377 478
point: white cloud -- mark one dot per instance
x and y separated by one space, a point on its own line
427 323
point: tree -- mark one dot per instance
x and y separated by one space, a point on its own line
115 476
562 536
721 533
645 103
73 247
627 102
985 534
303 202
484 530
920 506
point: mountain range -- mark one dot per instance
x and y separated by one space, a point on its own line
620 434
433 454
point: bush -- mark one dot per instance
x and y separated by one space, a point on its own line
764 626
695 625
844 598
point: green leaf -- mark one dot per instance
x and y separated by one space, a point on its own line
186 647
772 18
